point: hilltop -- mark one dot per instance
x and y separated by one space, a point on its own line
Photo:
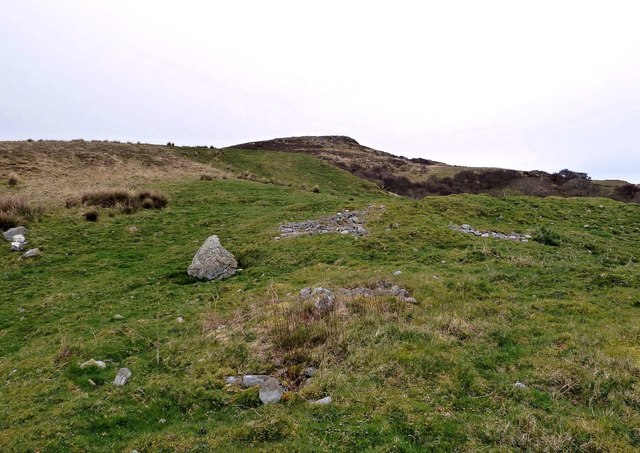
420 177
459 323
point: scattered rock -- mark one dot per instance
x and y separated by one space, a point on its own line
30 254
180 319
344 222
323 401
118 317
305 292
162 421
122 377
323 299
20 309
92 382
212 261
133 229
519 385
12 232
18 243
397 272
271 391
465 228
93 362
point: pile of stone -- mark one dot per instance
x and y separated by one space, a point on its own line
18 239
344 222
491 234
269 389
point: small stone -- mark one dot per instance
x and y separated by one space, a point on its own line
305 292
133 229
271 391
309 371
180 319
93 362
90 381
344 231
410 300
162 421
17 246
233 380
519 385
30 254
118 317
122 377
12 232
397 272
251 380
20 309
323 401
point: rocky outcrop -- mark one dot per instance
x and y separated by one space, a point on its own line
212 261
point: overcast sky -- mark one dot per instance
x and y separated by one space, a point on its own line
528 85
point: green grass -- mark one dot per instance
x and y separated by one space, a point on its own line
439 375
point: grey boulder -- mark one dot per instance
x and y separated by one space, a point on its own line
11 232
212 261
122 377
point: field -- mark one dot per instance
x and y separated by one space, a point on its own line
510 346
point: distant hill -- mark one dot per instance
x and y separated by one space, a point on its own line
420 177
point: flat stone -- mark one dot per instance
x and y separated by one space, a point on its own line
11 232
323 401
251 380
30 254
233 380
122 377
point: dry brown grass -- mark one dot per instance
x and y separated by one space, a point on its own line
126 201
17 210
52 171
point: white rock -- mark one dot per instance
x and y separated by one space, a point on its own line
397 272
93 362
519 385
30 254
212 261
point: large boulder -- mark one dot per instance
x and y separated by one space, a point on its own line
11 232
212 261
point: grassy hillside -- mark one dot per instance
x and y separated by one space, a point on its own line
563 320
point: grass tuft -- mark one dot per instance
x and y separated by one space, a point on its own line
17 210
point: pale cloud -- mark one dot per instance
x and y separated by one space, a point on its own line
498 83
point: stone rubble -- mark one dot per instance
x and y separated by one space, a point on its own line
493 234
383 288
344 222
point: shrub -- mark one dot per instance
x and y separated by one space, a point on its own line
13 179
206 177
316 189
91 215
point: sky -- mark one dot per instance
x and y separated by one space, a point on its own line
516 84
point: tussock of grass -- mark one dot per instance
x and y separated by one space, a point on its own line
17 210
126 201
13 179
